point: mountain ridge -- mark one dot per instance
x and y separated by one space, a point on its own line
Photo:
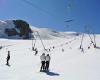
17 31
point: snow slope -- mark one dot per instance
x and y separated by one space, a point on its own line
48 34
72 64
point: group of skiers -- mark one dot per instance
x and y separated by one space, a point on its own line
45 61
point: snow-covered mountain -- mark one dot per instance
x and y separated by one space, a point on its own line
46 33
18 29
14 29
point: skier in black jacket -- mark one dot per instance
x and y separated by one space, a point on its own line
8 58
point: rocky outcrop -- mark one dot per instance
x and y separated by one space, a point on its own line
20 29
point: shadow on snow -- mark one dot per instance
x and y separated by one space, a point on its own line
97 47
51 73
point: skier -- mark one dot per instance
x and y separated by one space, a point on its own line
8 58
88 47
82 50
36 51
47 62
94 45
80 47
49 50
62 50
53 47
33 48
1 47
42 57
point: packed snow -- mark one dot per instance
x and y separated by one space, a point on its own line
70 64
